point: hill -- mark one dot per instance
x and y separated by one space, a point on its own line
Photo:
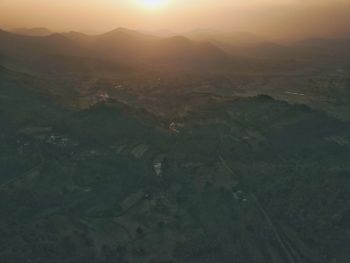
26 50
228 38
37 31
236 178
142 49
121 46
315 51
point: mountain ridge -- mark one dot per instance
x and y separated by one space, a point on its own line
120 45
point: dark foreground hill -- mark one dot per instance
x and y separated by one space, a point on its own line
235 179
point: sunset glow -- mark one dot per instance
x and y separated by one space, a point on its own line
278 19
152 4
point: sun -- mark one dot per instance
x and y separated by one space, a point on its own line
152 4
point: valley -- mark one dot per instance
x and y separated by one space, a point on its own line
176 153
114 181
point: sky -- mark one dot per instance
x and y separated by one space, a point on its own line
275 18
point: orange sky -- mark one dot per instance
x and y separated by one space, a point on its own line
279 18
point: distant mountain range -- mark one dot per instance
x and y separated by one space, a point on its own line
120 46
131 46
253 46
37 31
228 38
38 48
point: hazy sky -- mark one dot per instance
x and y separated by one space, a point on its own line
290 18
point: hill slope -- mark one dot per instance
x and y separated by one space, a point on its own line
253 179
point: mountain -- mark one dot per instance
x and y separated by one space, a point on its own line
37 31
135 47
326 47
247 45
264 50
122 49
35 46
316 51
27 52
111 38
121 46
160 33
221 37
